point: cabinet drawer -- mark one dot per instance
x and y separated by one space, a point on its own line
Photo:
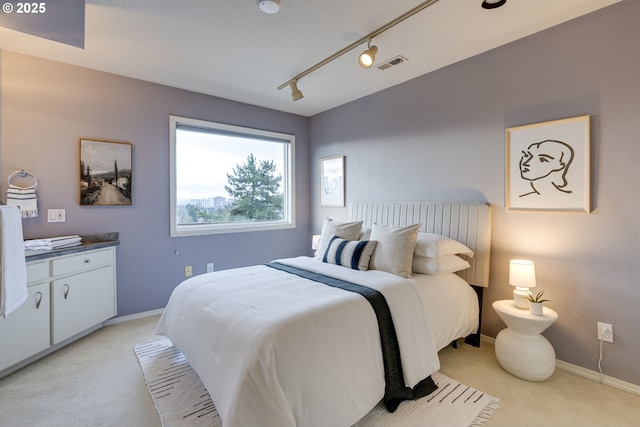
82 261
37 271
25 332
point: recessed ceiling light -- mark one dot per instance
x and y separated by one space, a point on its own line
492 4
269 6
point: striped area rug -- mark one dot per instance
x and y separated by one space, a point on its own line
182 400
178 393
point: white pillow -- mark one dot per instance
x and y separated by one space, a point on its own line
347 253
365 233
440 265
435 245
394 251
344 230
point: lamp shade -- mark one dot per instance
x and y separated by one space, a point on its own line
522 275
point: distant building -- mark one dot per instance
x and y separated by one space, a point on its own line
211 202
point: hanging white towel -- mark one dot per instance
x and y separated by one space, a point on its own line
24 198
13 267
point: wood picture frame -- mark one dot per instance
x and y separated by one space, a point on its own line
331 181
548 166
105 173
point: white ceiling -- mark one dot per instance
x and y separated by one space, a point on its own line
230 49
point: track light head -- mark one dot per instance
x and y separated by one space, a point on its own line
368 57
296 94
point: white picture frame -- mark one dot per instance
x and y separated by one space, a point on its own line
548 166
331 181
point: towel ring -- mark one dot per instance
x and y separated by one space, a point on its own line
22 174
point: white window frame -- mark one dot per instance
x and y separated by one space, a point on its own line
210 228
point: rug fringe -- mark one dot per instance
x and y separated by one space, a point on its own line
486 413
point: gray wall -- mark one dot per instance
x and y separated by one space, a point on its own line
45 107
441 137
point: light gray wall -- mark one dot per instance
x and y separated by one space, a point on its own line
441 137
45 107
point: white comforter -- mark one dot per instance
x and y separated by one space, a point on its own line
277 350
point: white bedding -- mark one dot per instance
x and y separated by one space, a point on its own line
451 306
274 349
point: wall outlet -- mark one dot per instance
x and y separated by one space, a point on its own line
605 332
209 267
188 271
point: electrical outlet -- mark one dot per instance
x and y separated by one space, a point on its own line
605 332
209 267
188 271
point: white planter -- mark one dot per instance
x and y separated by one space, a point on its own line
536 308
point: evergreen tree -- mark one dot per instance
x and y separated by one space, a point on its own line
255 188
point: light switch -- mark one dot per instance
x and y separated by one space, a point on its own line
56 215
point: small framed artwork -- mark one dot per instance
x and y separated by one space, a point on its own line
105 173
548 166
332 181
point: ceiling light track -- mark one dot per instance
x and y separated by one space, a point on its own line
292 83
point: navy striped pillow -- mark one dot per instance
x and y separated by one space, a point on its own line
352 254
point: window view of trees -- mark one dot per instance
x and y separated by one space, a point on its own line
226 178
255 194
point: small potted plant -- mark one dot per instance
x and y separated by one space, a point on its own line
536 303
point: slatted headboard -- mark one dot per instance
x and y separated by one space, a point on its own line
469 223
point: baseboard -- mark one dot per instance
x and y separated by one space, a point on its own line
595 376
134 316
487 339
585 373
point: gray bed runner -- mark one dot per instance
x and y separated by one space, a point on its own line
395 389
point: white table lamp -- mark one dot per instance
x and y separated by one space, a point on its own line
522 275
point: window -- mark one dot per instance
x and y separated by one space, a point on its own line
227 179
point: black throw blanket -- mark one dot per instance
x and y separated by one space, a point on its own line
395 389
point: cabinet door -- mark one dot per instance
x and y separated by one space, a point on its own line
25 331
81 301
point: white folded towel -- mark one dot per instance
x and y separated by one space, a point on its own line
52 243
13 267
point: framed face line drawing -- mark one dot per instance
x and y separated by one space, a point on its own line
332 181
548 166
105 173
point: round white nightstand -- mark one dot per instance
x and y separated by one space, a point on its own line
520 349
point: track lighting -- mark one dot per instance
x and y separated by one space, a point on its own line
367 58
296 94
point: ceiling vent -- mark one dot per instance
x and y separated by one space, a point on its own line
392 62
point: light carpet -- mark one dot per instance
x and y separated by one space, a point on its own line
182 400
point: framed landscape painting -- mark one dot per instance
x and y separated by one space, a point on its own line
548 165
105 173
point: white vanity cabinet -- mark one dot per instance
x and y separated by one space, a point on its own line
69 296
25 331
84 294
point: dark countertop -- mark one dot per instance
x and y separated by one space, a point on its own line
88 243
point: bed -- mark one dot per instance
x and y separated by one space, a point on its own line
299 341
